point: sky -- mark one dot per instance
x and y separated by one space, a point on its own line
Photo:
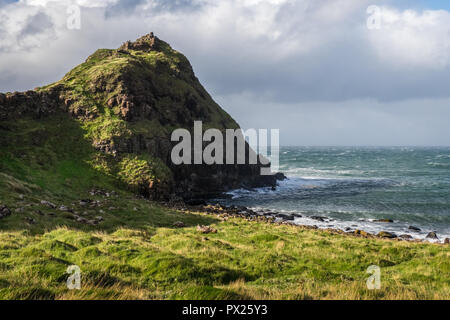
324 72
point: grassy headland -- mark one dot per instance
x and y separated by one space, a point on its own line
135 252
70 181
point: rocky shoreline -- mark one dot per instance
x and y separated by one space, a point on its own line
93 212
271 216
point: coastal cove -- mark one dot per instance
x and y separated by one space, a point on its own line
401 190
92 206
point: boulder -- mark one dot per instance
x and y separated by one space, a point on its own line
385 234
179 224
285 216
48 204
384 220
414 228
447 241
405 236
206 229
432 235
319 218
30 220
4 211
362 233
280 176
196 202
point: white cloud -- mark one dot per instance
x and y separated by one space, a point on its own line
415 39
84 3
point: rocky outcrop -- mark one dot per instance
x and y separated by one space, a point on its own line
37 104
384 220
432 235
388 235
134 97
146 43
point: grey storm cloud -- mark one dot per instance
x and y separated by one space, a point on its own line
35 24
122 7
268 62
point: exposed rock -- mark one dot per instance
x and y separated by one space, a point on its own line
146 43
405 236
206 229
432 235
48 204
158 87
385 234
319 218
4 211
196 202
280 176
285 216
447 241
99 218
179 224
37 104
81 219
414 228
30 220
92 222
362 233
384 220
19 210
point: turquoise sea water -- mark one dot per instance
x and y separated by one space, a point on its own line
355 185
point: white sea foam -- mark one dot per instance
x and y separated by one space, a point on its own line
355 186
367 225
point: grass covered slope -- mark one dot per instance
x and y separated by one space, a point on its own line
244 260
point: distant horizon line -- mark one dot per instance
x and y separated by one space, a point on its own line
365 146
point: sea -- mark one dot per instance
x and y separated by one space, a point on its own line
352 187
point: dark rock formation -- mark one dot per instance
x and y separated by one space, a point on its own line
37 104
432 235
385 234
4 211
384 220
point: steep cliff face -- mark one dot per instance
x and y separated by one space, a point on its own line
128 102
